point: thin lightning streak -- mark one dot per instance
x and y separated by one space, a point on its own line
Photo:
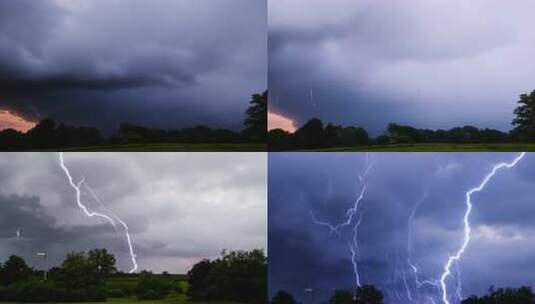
410 262
409 295
97 199
76 188
350 214
354 252
467 228
125 227
312 98
132 254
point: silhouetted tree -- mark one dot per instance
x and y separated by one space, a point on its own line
382 140
310 135
256 121
367 294
283 297
522 295
11 140
342 296
43 135
524 121
279 139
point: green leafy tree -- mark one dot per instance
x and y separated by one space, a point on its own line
103 261
198 279
237 276
15 270
256 121
77 273
283 297
524 121
151 287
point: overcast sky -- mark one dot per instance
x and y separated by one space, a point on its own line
306 255
163 63
434 64
180 207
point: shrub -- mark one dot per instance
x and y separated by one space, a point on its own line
150 287
116 293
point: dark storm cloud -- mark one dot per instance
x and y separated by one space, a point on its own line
171 203
432 64
85 61
305 255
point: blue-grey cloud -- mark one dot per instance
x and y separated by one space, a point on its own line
306 255
170 201
164 63
433 64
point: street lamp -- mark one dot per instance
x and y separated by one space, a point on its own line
43 255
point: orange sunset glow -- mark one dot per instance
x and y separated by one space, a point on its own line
278 121
9 120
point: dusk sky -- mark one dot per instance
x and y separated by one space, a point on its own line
430 64
179 207
161 63
304 254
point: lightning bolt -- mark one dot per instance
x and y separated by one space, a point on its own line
76 187
350 218
466 219
419 283
312 98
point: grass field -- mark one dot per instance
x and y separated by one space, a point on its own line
130 282
169 147
515 147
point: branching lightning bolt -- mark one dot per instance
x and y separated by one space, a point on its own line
466 220
419 283
76 187
350 218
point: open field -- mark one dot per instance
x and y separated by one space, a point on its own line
129 282
169 147
432 147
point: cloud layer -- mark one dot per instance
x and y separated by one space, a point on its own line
179 207
305 255
165 63
435 64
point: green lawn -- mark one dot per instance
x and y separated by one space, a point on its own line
130 282
170 147
515 147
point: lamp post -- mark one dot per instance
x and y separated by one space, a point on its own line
43 255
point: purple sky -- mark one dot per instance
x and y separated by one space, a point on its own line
435 64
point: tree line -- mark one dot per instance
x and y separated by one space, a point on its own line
315 135
48 134
368 294
239 276
78 279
